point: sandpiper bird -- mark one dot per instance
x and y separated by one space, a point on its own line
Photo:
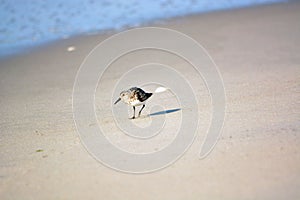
136 97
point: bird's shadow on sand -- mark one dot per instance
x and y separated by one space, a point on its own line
165 112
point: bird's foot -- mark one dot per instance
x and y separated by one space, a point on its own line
133 117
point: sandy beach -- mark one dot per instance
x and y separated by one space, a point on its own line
257 156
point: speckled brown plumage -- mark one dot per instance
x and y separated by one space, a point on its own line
135 97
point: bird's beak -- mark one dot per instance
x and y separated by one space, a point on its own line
117 101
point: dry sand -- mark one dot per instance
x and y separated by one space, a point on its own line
257 156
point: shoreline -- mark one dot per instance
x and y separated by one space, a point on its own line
257 157
108 32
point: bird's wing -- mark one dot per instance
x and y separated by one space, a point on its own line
142 95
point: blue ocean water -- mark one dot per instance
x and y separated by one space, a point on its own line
27 23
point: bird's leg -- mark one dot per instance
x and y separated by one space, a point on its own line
133 113
141 110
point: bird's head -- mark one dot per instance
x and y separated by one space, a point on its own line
124 96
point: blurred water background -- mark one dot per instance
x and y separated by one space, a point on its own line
27 23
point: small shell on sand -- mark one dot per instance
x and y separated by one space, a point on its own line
71 48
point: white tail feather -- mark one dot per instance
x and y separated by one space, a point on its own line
160 89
